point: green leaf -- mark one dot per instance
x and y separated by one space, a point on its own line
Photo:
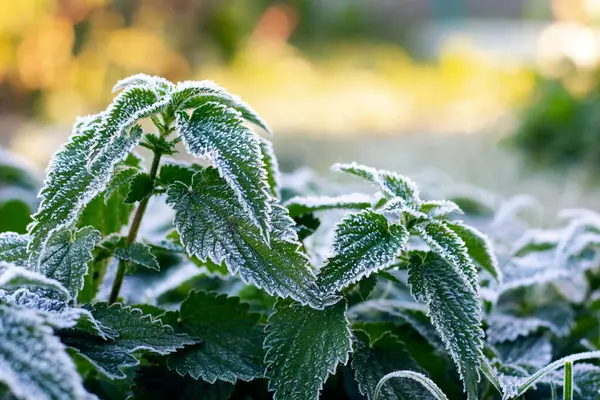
141 186
70 185
138 254
13 248
190 94
137 333
143 80
129 106
121 178
304 346
272 167
363 244
14 216
230 338
14 277
454 311
372 360
156 382
479 248
218 134
304 205
213 226
33 362
171 173
390 183
449 246
67 256
439 208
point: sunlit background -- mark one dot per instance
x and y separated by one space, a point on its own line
483 91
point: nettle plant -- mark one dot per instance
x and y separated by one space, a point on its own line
408 302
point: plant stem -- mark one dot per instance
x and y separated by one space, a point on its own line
133 231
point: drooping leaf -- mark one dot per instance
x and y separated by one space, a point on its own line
478 246
390 183
70 185
372 359
449 246
304 205
190 94
364 243
138 254
230 346
299 336
13 248
67 256
33 362
141 186
218 134
136 333
214 226
272 165
454 311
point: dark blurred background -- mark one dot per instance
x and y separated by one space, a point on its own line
501 94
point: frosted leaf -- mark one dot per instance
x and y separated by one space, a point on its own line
67 257
536 240
123 177
70 185
136 333
143 80
172 171
390 183
454 311
13 248
397 312
373 360
129 106
213 225
14 277
303 347
272 165
449 246
479 247
138 254
364 243
304 205
532 351
439 208
33 362
141 187
587 379
230 338
193 94
520 207
218 134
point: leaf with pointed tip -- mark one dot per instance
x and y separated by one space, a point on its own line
272 166
138 254
449 246
70 185
230 338
304 346
67 256
143 80
121 178
129 106
191 94
364 243
454 311
218 134
13 248
390 183
141 186
214 226
439 208
372 360
171 173
304 205
15 277
33 362
479 247
137 333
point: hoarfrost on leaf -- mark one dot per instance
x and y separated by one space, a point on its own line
304 205
138 254
13 248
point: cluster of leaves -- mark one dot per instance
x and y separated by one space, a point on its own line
240 286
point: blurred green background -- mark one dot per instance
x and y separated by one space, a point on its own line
501 94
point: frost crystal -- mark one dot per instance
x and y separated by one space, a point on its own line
303 205
13 248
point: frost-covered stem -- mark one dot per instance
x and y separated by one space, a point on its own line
133 231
